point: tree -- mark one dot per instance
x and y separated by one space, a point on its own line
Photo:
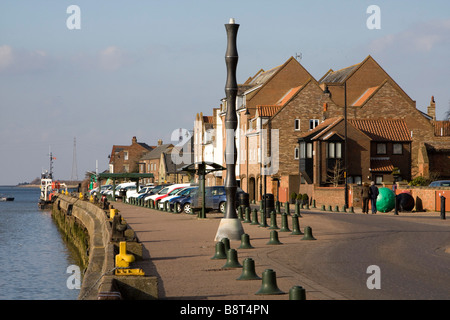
335 174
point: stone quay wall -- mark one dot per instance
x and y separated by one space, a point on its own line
89 229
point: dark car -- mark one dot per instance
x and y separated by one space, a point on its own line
215 198
183 200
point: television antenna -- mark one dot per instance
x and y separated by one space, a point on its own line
298 56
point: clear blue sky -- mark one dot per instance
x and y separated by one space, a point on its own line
145 68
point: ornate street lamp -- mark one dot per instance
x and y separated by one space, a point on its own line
230 226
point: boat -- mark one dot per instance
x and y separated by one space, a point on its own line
6 198
49 187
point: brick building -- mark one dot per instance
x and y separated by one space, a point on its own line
150 162
126 158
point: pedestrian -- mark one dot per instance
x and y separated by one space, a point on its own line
365 197
373 196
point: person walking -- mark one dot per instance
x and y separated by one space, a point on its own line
365 197
373 196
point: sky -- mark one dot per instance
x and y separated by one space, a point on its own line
146 68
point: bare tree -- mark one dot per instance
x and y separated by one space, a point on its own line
335 174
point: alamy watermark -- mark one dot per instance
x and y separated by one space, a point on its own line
374 20
73 22
74 280
374 280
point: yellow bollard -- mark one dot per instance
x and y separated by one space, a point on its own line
67 193
91 199
123 259
81 196
112 213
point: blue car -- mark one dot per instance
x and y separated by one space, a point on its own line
183 200
215 199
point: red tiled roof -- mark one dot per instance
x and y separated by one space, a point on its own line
381 165
268 110
383 129
360 101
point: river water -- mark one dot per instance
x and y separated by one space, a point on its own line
35 258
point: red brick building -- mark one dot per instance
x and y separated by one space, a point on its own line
126 158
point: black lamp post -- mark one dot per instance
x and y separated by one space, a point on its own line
230 226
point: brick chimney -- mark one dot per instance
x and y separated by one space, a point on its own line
134 140
160 142
432 109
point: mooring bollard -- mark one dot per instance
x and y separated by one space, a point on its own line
314 203
248 270
245 242
254 217
284 223
273 238
442 207
226 244
308 234
220 251
273 220
269 283
287 209
247 215
239 209
323 207
232 260
297 293
295 226
263 223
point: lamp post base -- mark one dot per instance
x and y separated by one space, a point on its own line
229 228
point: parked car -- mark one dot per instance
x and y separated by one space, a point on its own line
142 191
182 201
118 187
171 195
440 183
153 190
215 198
165 191
102 189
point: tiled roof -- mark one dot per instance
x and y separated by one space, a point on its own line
268 110
288 95
442 128
381 165
360 101
322 127
383 129
338 76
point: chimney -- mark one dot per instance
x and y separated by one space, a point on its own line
432 109
160 142
134 140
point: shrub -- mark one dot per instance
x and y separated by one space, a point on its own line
419 181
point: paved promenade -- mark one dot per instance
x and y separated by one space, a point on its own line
178 250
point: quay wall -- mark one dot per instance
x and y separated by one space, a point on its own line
89 229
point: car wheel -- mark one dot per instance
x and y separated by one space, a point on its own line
178 207
187 208
222 207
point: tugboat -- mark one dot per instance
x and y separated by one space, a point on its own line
49 187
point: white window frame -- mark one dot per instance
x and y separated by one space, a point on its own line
297 124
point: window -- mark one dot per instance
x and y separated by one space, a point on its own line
297 125
309 150
125 155
397 148
313 123
379 179
302 150
381 148
296 153
334 150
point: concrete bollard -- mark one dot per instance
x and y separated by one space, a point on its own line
269 283
248 270
323 207
226 244
273 238
239 209
287 209
297 293
336 208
